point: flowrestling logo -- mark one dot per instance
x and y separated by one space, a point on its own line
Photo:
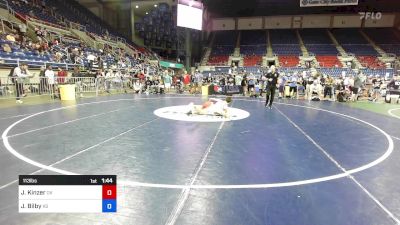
370 15
311 3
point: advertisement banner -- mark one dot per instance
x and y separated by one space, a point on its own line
312 3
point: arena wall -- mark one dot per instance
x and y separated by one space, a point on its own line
278 22
387 20
304 21
346 21
254 23
313 21
223 24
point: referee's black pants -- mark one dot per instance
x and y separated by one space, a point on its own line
19 87
270 94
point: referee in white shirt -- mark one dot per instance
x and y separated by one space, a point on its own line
20 73
49 74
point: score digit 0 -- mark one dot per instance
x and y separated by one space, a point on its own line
109 191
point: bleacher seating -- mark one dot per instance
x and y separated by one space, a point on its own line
371 62
253 50
222 69
286 49
353 42
328 61
360 49
322 49
391 48
252 60
382 35
224 45
288 61
256 70
225 50
336 72
318 42
349 36
253 45
218 60
253 37
75 12
283 37
34 11
33 59
158 27
284 42
380 72
385 38
66 10
315 36
291 70
225 38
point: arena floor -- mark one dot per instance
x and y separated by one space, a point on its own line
301 162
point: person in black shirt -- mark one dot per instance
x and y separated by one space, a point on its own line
148 85
272 79
394 83
376 84
244 85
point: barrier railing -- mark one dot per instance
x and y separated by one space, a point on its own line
42 22
13 87
11 24
77 26
20 88
33 63
118 84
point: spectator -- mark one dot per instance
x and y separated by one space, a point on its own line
20 73
6 48
251 82
186 81
91 57
76 72
328 89
376 84
62 74
244 85
137 87
356 88
293 86
43 81
10 37
49 74
22 29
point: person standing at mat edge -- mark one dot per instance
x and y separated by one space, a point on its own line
272 80
20 73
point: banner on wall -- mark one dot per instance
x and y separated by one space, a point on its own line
171 65
311 3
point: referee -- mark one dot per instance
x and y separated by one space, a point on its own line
272 79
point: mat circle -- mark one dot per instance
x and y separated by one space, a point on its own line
377 161
180 112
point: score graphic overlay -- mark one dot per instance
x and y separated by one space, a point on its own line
67 193
190 14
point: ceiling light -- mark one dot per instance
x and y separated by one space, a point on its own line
155 5
137 6
147 13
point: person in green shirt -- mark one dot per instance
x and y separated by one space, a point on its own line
167 81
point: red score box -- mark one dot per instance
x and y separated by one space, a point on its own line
109 191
